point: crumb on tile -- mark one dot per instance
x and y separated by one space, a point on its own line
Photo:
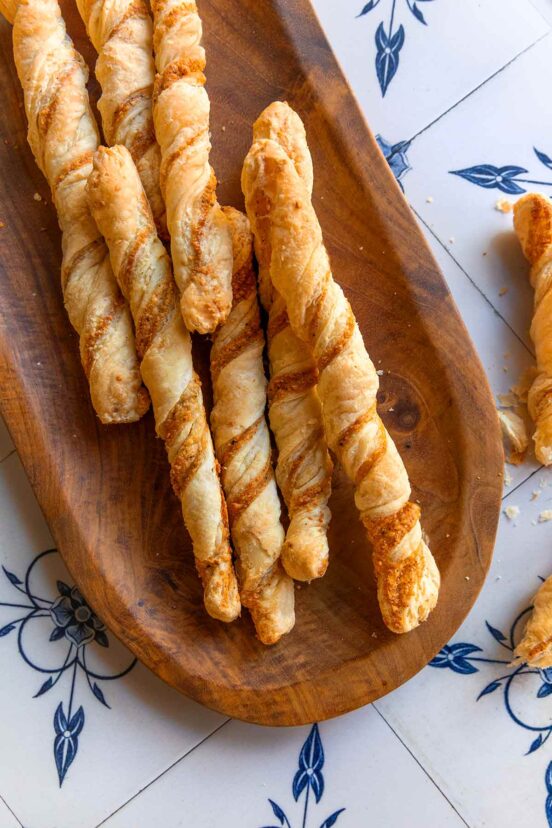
429 199
545 516
535 494
511 512
504 206
503 291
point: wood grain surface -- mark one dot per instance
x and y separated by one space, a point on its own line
105 490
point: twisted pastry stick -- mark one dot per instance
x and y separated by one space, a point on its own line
242 443
201 243
121 32
535 648
63 135
533 225
143 269
304 468
407 576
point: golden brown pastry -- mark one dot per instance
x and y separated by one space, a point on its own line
63 135
143 269
242 443
121 31
535 648
304 468
407 576
201 243
533 225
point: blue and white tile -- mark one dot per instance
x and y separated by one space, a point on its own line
6 444
495 145
344 772
503 355
399 59
83 727
478 725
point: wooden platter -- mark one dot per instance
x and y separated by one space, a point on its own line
105 491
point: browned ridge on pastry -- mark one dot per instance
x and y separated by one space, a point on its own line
63 135
533 225
304 468
276 195
143 269
242 442
201 243
121 32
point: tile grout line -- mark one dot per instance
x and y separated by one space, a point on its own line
523 482
456 811
11 812
480 85
471 281
169 768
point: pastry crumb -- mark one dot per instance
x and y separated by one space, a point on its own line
380 372
503 291
504 206
467 577
535 494
429 200
511 512
508 400
545 516
374 635
37 197
521 390
507 477
223 128
498 578
515 432
2 224
452 240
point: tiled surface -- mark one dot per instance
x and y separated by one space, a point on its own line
7 819
432 74
360 757
147 726
430 754
473 747
499 125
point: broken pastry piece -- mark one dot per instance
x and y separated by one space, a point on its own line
515 432
535 648
533 225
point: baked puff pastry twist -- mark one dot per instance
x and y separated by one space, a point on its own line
242 443
63 136
535 648
201 243
121 32
407 575
144 272
304 468
533 225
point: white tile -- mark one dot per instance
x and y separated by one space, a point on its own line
545 8
503 356
6 444
432 74
249 766
121 749
7 819
475 750
499 125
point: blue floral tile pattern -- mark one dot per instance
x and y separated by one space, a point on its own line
390 40
462 658
307 778
507 179
72 622
395 155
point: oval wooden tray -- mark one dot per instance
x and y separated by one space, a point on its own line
105 491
